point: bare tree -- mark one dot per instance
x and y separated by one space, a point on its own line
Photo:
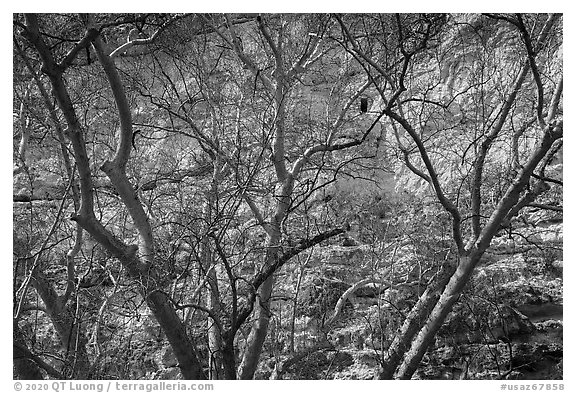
195 153
410 103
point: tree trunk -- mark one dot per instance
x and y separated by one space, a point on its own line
24 366
215 345
295 308
443 307
175 331
214 334
72 339
229 359
259 331
414 322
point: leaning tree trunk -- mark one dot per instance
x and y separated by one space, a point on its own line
510 204
437 317
259 331
138 260
414 322
72 339
24 366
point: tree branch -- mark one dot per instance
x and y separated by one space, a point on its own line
535 72
505 209
70 266
275 49
243 57
89 36
257 213
553 108
444 201
125 135
543 206
349 292
144 41
179 306
231 277
362 54
269 270
339 120
478 172
502 117
299 163
74 130
302 245
41 363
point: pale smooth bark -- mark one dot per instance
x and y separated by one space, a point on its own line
467 263
424 320
259 329
138 260
414 321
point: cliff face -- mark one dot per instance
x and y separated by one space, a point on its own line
508 323
246 138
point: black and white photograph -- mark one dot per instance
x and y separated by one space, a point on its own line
286 196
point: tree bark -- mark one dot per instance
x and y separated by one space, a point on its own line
471 253
215 345
67 326
24 366
259 330
141 269
229 358
437 317
470 260
414 322
295 305
171 324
